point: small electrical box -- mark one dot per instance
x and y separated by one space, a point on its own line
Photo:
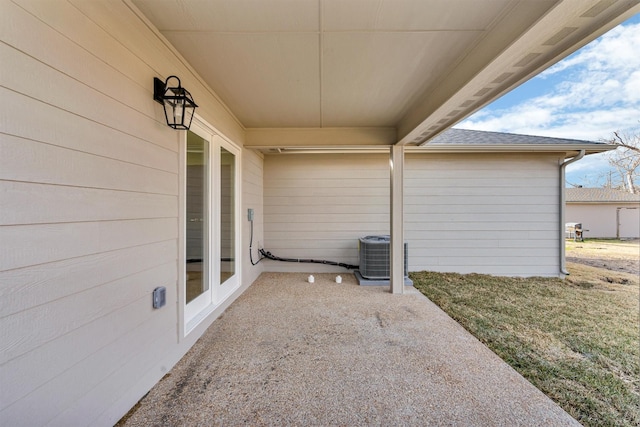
250 214
159 297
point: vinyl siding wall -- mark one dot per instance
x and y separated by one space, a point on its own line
89 192
318 205
493 213
483 213
252 198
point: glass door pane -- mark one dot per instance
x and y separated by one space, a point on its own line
227 215
197 217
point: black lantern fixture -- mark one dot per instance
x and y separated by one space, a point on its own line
177 101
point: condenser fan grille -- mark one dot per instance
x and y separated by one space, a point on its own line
374 257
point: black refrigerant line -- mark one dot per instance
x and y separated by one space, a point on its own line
269 255
265 254
251 247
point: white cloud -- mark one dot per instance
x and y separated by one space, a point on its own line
598 93
518 118
617 50
591 94
631 89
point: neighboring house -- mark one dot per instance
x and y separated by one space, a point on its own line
604 213
309 115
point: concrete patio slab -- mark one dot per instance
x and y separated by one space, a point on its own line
289 352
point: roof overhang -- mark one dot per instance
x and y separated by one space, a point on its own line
569 26
378 72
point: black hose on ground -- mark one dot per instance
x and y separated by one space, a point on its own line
264 254
270 256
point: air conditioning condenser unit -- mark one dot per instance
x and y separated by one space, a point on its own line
374 252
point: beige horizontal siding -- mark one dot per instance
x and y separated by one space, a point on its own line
86 135
252 198
414 211
89 191
129 348
52 362
44 243
128 359
35 161
318 206
493 213
45 203
74 311
36 285
485 213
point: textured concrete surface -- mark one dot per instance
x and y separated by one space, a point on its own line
288 352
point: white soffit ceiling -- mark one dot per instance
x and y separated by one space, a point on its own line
370 63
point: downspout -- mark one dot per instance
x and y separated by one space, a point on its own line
563 261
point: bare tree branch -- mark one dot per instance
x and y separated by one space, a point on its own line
626 159
630 143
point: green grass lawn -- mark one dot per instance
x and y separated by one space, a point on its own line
577 340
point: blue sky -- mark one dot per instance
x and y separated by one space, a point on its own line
588 95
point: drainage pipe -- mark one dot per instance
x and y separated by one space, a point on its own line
563 200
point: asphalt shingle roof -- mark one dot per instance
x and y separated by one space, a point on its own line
602 195
476 137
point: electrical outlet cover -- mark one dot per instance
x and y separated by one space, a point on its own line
159 297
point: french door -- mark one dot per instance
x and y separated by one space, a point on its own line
210 212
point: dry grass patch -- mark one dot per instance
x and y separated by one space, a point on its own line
577 340
610 248
609 254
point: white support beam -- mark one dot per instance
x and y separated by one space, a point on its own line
396 263
258 138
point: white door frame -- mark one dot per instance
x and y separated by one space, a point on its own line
223 290
192 314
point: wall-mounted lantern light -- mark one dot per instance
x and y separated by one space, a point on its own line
177 101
